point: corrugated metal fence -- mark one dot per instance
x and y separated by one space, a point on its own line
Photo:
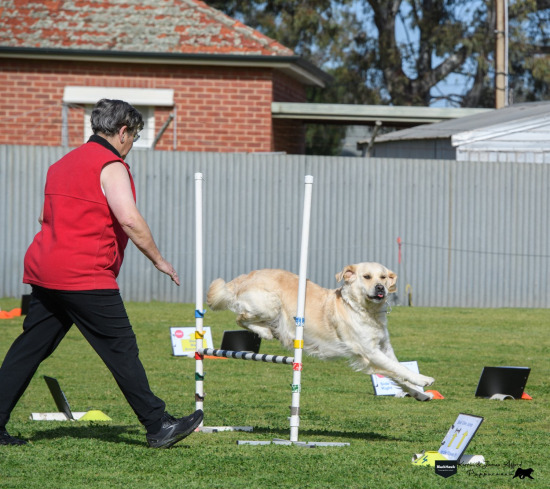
473 235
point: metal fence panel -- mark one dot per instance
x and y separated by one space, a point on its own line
473 234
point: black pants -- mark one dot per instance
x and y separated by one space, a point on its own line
101 317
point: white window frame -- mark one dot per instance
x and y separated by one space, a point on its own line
143 99
147 134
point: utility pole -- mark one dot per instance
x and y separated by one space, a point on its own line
501 54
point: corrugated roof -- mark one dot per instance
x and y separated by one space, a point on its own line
397 116
146 26
446 129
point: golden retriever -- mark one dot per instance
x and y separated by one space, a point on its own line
346 322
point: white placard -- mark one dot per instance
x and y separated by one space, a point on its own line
459 436
184 343
55 416
383 386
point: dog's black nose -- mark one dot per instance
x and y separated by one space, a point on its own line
379 289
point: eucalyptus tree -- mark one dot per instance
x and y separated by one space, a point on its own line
407 52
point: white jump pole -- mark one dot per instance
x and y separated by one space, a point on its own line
199 311
300 320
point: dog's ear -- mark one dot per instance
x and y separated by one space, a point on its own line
347 274
392 279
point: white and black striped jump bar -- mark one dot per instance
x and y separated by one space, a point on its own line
244 355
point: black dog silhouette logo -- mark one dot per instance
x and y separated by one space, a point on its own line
523 473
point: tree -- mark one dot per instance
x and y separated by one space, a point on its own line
401 49
407 52
529 57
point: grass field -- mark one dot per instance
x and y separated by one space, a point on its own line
452 345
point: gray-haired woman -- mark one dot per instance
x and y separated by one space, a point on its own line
89 214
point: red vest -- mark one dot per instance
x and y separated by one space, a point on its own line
81 245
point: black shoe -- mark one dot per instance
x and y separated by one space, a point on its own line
174 430
7 439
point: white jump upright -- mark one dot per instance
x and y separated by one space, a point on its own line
300 313
199 303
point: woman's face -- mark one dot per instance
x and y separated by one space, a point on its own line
127 144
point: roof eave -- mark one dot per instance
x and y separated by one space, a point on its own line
293 66
368 114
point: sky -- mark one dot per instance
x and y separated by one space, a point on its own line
454 83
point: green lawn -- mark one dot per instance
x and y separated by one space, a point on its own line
337 404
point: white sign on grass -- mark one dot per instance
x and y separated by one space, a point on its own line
459 435
184 343
383 386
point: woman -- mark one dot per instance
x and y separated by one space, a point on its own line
89 214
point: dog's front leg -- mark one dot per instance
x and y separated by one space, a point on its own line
407 383
380 363
414 391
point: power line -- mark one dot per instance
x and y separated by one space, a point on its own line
478 252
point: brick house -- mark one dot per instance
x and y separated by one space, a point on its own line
203 81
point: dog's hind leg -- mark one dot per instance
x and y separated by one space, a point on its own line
249 323
257 310
249 319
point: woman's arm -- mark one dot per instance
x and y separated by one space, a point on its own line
118 191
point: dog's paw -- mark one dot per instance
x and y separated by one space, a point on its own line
421 396
425 381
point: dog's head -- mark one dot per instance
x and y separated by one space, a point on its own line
368 282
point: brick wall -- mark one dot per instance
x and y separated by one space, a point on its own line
286 89
221 109
288 134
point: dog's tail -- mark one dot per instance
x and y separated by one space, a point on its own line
219 297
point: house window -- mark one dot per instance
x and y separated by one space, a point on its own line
143 99
147 134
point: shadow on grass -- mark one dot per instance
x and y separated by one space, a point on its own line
325 433
111 434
